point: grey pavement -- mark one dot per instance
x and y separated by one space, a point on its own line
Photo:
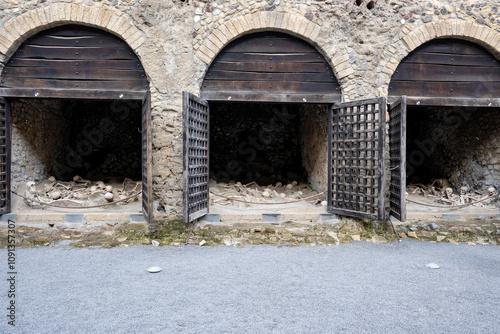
352 288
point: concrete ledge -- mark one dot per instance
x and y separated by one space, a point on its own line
271 217
8 216
451 216
73 218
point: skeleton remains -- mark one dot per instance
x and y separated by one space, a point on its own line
80 192
441 192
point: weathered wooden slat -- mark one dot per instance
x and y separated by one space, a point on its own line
71 73
397 153
451 46
255 96
75 41
147 160
452 102
74 30
102 53
265 42
128 85
271 67
433 72
268 57
451 59
266 86
445 89
119 64
253 76
72 93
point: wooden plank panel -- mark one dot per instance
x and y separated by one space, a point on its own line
128 85
272 67
276 57
71 73
433 72
265 86
102 53
445 89
451 59
254 76
119 64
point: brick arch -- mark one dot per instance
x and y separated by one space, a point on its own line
18 29
264 21
410 40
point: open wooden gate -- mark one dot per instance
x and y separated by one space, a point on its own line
147 160
5 156
356 140
196 174
397 152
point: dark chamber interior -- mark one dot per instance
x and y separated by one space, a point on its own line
96 140
255 142
459 144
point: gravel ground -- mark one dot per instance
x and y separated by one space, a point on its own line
353 288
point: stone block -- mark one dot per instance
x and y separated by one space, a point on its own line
96 217
53 217
328 216
121 217
211 218
73 218
8 216
137 217
271 217
451 216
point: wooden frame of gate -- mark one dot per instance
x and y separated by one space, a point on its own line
75 62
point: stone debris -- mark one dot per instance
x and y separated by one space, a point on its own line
80 192
432 266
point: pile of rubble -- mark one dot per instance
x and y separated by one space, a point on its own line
441 191
81 192
253 193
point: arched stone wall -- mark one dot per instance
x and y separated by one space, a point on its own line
411 39
19 28
275 21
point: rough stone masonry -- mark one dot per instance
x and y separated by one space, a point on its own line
176 40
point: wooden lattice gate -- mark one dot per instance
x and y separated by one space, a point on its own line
5 158
356 139
147 165
397 152
196 173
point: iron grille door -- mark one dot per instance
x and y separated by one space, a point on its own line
356 158
196 174
5 156
397 153
147 160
